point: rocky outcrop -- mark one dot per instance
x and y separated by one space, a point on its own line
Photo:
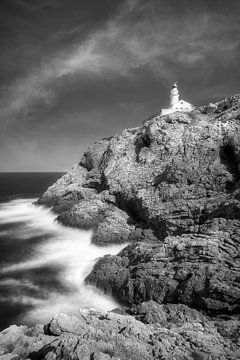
170 188
199 270
110 224
169 175
156 332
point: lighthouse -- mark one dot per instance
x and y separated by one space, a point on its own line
175 104
174 95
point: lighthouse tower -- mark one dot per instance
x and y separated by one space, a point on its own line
174 95
176 104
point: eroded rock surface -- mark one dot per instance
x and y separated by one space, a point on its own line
171 189
200 270
169 175
166 332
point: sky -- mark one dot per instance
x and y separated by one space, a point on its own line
75 71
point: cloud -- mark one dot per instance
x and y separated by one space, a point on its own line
137 37
34 5
19 97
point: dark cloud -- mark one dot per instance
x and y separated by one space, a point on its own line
74 71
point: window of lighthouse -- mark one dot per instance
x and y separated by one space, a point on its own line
183 106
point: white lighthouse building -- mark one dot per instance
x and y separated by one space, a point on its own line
175 103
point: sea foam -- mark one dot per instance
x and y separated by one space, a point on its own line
65 249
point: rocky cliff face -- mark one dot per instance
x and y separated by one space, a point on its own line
171 189
169 176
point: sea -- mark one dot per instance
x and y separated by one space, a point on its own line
43 264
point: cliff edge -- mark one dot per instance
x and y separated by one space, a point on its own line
170 188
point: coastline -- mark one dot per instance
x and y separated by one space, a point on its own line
171 189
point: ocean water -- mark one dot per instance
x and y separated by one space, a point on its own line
42 263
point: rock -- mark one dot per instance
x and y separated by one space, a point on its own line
150 312
17 342
168 175
9 357
66 191
201 271
210 108
230 103
171 189
110 224
179 333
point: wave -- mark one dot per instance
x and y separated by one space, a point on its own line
49 277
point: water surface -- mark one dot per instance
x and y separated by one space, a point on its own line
42 263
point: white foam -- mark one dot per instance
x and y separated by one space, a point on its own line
68 248
8 282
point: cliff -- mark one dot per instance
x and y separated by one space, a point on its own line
170 188
169 176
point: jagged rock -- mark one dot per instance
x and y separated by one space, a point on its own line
16 342
170 188
9 357
110 224
201 270
210 108
66 191
150 312
94 335
163 175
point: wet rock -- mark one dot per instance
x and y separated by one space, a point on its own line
110 224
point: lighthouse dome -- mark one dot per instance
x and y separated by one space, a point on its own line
174 89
